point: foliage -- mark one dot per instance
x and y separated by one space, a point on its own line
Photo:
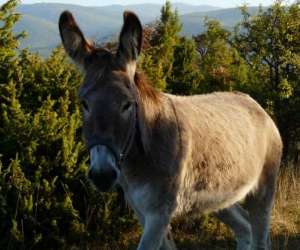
157 62
269 44
8 41
185 76
222 66
45 200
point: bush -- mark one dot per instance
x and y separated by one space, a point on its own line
45 199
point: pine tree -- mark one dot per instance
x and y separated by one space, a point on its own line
9 42
158 60
185 77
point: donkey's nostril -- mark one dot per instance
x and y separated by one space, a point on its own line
104 180
90 173
114 175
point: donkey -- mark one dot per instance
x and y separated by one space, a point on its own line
173 155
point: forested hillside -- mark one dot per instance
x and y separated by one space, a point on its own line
46 202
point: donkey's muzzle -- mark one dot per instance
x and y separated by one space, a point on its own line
103 170
103 180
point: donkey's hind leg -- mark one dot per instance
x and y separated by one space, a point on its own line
237 219
259 206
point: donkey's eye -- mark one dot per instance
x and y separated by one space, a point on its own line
85 105
126 106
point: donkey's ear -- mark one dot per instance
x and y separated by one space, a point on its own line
131 38
73 39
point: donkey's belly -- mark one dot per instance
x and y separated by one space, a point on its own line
194 202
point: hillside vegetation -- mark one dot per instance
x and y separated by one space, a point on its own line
46 202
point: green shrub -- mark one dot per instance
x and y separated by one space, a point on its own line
45 199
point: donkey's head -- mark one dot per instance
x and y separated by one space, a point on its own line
108 95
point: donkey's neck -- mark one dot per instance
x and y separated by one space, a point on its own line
150 101
164 147
158 135
147 93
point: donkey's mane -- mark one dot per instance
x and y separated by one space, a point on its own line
146 90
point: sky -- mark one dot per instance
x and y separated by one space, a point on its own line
217 3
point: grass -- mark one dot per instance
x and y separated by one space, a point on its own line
285 230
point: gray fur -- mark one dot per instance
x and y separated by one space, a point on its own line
228 149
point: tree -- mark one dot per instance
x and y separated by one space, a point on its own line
269 43
185 77
220 63
8 41
157 60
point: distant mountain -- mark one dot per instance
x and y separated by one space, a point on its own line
42 34
193 23
102 23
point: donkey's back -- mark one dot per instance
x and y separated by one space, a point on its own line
231 147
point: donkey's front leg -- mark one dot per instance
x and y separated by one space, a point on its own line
155 229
